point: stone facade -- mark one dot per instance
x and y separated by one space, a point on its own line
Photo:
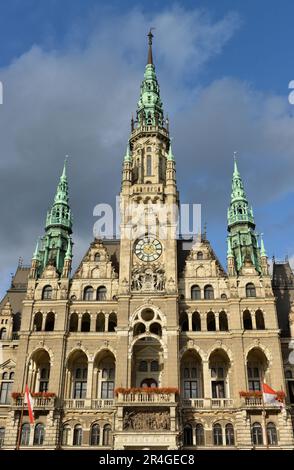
148 344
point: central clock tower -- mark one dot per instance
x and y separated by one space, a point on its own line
149 197
148 278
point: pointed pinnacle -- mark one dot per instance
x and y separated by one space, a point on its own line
128 156
262 247
150 56
63 175
236 171
170 154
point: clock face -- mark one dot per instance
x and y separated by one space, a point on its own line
148 249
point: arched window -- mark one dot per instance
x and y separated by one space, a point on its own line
78 435
199 435
74 321
44 379
50 322
101 293
39 434
259 320
95 435
272 437
6 388
247 320
88 293
210 321
2 436
25 434
148 165
184 322
288 374
86 322
155 328
38 320
223 321
195 293
230 436
80 383
107 435
217 435
154 366
112 322
188 435
256 434
65 435
100 322
47 293
199 255
208 292
139 329
97 257
250 290
196 321
3 334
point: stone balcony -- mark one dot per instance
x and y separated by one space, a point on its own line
40 403
87 403
146 398
257 402
207 403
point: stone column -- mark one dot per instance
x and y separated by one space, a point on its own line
190 321
89 380
206 380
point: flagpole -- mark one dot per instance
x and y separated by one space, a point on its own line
20 424
264 420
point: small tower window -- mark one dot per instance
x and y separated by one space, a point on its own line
149 165
250 290
47 293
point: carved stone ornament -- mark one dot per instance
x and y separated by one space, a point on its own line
146 421
148 278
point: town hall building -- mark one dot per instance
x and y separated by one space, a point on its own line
148 344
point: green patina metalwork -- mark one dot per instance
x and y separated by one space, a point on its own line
242 239
56 245
150 109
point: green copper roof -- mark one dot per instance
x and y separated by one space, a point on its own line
242 240
68 254
149 109
170 156
128 155
55 246
60 214
262 248
239 210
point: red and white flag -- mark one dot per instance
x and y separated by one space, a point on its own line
30 402
269 395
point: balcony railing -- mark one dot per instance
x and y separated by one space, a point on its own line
87 404
207 403
40 403
146 397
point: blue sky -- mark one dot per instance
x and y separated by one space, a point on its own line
224 69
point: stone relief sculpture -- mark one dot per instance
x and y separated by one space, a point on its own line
145 420
148 278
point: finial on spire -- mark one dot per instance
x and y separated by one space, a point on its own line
64 167
150 37
128 155
236 171
170 156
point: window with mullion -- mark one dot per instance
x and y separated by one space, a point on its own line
107 388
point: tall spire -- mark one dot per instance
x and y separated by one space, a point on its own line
56 242
149 109
242 240
150 56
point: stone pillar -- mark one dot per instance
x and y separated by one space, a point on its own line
106 321
253 320
206 380
190 321
216 321
89 380
80 322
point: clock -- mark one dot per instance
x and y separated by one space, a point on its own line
148 249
